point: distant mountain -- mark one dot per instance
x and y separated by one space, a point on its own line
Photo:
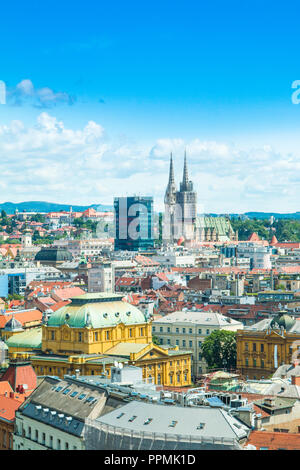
41 206
261 215
267 215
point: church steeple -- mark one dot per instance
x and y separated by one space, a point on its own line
185 178
171 188
186 185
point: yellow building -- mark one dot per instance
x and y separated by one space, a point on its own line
263 347
95 330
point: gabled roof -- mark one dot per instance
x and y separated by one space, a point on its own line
20 374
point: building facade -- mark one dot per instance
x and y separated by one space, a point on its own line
133 223
266 345
95 330
188 330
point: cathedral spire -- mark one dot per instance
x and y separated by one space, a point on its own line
184 186
171 173
185 179
171 188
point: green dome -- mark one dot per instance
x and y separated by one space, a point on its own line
53 254
282 319
97 311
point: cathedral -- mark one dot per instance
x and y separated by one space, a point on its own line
181 220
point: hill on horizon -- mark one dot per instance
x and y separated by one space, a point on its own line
42 206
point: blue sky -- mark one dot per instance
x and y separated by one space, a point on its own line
103 91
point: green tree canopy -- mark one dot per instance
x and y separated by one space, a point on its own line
219 349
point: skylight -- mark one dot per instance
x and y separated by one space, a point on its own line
132 418
148 421
82 396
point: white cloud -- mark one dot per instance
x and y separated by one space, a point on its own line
49 161
26 93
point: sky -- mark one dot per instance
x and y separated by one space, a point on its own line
97 95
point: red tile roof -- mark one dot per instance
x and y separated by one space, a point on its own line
5 387
8 407
67 293
23 316
20 374
274 440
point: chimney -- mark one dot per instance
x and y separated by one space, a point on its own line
295 380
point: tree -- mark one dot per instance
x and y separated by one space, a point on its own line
219 349
155 340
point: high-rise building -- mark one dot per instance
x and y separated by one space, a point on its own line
134 223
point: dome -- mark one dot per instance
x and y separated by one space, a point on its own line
97 311
283 320
53 254
13 325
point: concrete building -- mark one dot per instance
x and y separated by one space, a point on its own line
101 277
188 329
15 280
53 418
260 256
150 426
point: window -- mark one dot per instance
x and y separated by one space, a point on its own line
52 335
169 329
183 342
153 328
262 364
261 348
200 331
254 347
161 329
36 435
177 342
80 337
96 336
191 330
177 330
130 332
207 332
51 441
254 362
246 346
183 330
168 341
58 444
142 332
199 344
190 344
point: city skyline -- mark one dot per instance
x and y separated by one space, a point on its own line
135 84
